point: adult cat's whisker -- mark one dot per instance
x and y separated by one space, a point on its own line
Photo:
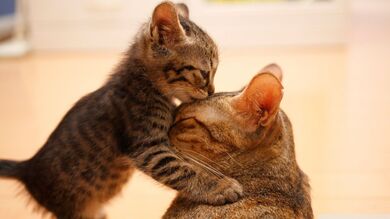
231 157
207 167
203 156
203 164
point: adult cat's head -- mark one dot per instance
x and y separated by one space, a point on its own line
231 122
182 57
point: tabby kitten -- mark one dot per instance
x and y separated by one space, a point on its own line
244 135
124 124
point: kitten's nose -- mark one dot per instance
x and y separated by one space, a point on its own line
211 90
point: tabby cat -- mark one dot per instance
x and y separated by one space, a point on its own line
244 135
124 125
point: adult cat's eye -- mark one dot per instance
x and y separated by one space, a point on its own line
205 74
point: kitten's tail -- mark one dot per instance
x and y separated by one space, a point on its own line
10 169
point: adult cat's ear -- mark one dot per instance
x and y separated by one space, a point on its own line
259 101
273 69
165 25
183 10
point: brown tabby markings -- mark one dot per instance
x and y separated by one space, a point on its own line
244 136
124 124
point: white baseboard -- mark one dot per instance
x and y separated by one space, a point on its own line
13 48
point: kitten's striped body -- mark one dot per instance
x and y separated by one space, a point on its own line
124 124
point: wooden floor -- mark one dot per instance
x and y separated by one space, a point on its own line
338 98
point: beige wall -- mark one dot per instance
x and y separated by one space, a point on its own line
110 24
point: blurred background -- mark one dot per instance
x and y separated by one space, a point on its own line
336 60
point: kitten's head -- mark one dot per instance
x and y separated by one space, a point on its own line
185 58
228 122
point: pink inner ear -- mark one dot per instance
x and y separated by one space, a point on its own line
165 14
166 19
260 99
264 91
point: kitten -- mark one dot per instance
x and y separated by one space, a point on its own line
245 136
124 124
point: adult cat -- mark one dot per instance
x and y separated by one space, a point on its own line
246 136
124 124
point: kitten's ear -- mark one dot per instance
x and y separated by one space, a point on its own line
165 25
259 101
183 10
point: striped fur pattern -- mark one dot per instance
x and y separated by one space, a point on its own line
243 135
124 125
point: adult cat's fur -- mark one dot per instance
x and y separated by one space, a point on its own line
93 151
245 136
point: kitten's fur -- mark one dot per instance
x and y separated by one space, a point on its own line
124 124
245 136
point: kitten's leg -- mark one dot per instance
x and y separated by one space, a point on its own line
158 160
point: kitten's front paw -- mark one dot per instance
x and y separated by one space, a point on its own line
228 190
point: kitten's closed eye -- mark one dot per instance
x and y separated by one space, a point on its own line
189 74
188 81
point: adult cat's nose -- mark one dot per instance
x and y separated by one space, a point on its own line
210 90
